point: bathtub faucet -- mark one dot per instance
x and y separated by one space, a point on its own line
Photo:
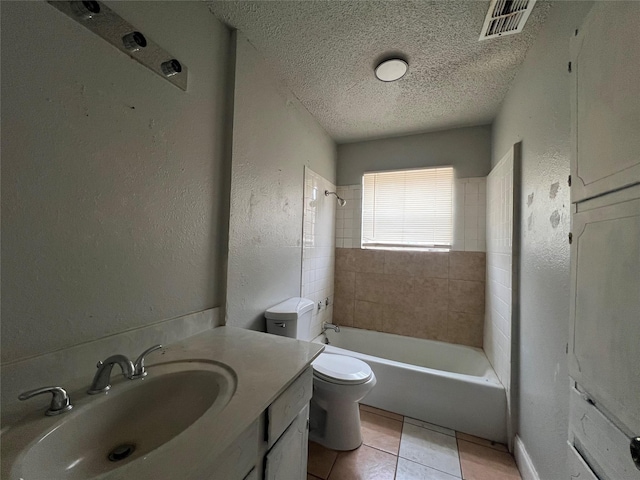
330 326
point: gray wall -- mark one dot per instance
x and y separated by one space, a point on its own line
536 111
467 149
274 137
110 175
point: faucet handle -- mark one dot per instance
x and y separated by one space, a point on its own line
60 402
139 371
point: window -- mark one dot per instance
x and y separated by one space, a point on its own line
408 208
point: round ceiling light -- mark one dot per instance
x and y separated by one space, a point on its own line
391 70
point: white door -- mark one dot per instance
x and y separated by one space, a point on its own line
605 253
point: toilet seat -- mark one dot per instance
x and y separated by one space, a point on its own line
341 369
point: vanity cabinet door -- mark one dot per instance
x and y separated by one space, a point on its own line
288 457
282 411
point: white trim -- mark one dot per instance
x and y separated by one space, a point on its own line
523 460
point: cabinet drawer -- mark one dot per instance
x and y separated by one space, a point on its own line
285 408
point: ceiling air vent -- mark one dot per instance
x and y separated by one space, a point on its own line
506 17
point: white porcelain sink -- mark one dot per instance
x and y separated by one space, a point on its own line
133 419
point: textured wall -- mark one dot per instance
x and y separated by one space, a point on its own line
468 150
274 137
110 175
536 111
439 296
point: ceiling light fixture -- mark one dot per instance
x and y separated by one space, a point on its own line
391 70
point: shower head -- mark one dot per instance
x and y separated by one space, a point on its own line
341 201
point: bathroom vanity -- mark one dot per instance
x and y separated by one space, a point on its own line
260 433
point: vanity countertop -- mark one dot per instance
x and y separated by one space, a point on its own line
265 365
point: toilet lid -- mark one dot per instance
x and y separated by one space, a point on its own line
341 369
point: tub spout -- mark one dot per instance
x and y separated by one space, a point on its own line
330 326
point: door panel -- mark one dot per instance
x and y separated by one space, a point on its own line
605 307
606 100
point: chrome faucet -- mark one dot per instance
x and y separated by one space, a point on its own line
138 365
330 326
102 379
60 402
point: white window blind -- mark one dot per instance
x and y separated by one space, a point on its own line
408 208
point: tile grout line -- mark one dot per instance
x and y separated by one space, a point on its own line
395 474
459 459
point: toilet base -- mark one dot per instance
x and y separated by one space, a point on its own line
338 429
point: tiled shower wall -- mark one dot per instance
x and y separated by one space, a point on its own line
497 328
469 221
318 249
438 296
349 217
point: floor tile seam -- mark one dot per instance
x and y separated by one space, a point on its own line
381 450
433 430
360 405
431 467
459 456
333 464
384 416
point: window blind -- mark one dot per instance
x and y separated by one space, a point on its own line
408 208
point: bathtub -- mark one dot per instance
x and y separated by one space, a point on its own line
449 385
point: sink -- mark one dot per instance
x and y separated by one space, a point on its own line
134 419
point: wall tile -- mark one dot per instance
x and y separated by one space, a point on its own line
467 266
319 227
401 263
345 284
433 264
405 319
431 293
345 259
466 296
368 315
398 289
369 261
465 328
370 286
343 310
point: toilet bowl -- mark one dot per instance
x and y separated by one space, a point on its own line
339 381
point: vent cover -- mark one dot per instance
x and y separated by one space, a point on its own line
506 17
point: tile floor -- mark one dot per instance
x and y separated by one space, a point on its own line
401 448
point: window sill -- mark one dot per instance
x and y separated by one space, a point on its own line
408 249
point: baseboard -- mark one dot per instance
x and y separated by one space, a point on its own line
523 460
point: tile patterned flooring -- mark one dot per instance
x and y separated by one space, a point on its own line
401 448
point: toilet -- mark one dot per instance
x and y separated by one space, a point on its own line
339 381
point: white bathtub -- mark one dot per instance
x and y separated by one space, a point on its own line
449 385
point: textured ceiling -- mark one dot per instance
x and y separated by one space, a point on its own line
326 51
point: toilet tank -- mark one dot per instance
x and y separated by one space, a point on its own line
291 318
